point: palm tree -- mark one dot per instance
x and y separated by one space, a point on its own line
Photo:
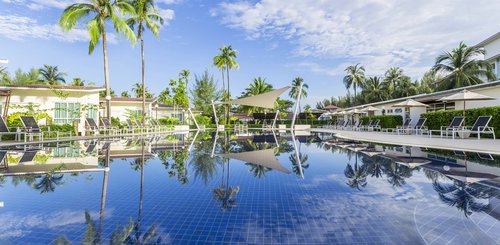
77 82
226 61
355 78
125 94
258 86
138 91
374 89
184 74
392 78
356 175
145 15
100 12
462 68
225 193
51 75
294 91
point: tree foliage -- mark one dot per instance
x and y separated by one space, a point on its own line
204 92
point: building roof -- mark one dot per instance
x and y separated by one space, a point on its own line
424 98
330 107
126 99
167 107
47 87
489 40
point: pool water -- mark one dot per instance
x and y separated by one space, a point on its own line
247 188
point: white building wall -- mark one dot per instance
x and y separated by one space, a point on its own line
120 109
46 100
492 92
492 49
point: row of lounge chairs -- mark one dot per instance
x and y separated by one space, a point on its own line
29 130
455 128
372 125
134 126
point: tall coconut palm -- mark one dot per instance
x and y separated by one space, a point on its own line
99 11
226 60
51 75
138 91
462 68
355 78
145 16
184 74
258 86
392 78
374 89
77 82
294 91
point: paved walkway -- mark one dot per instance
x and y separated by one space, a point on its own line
472 144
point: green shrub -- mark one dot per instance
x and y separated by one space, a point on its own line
203 120
386 121
115 122
443 118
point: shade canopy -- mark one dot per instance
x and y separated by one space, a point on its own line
265 100
410 103
354 111
265 158
466 95
370 108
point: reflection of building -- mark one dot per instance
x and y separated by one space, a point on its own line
61 160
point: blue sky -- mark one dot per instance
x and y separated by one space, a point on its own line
276 39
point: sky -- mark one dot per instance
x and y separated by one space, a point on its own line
275 39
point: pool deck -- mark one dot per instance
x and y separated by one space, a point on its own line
472 144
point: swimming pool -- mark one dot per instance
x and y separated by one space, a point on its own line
248 188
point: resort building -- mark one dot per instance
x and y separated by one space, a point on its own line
163 111
492 47
123 107
64 104
491 89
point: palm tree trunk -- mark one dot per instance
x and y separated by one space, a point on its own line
143 77
106 72
228 94
355 95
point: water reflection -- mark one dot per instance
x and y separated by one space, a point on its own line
143 205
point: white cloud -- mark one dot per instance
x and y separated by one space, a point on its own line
376 33
21 27
42 4
167 15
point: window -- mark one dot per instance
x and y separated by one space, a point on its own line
92 111
66 112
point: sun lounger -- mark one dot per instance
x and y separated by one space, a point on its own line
405 126
91 126
374 126
31 129
106 124
419 128
28 156
479 127
455 124
4 130
3 160
364 127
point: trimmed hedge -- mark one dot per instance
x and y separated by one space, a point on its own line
443 118
386 121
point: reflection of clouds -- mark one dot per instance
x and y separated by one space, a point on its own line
328 211
15 225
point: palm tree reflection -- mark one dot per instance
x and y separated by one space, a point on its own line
356 176
397 173
296 168
466 197
257 170
48 182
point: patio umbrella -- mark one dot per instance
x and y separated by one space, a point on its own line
370 109
409 103
464 96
